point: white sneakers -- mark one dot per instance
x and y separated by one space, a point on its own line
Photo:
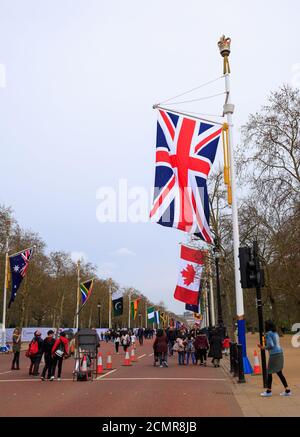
266 394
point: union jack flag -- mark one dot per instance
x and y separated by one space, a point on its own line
185 151
18 267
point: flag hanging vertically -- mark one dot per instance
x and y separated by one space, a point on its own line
18 267
151 314
191 265
86 289
185 151
134 308
157 317
117 301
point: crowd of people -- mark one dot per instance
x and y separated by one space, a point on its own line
191 345
54 348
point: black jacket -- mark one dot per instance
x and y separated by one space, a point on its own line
48 344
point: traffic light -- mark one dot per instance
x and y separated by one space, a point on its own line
251 274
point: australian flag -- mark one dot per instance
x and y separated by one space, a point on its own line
18 267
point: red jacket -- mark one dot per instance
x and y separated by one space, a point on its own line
65 341
226 343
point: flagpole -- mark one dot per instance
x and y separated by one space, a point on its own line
78 294
224 47
211 291
146 315
109 303
129 308
3 339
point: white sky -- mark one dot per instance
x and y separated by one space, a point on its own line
76 110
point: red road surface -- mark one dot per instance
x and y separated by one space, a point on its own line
140 390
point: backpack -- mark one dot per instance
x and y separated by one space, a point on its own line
33 348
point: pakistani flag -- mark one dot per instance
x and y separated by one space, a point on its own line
117 301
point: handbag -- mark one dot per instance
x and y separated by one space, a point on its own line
60 350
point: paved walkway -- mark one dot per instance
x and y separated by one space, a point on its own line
137 391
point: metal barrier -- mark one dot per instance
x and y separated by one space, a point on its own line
236 362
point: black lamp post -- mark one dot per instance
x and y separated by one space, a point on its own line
99 314
217 255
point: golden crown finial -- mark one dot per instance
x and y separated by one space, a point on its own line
224 47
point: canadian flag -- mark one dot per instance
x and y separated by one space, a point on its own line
191 266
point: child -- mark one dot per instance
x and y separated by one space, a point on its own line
190 350
226 345
179 347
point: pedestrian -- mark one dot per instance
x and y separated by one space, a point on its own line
125 341
60 350
226 345
190 349
117 342
276 359
160 347
201 347
180 348
133 339
16 349
141 336
35 353
48 344
171 335
215 347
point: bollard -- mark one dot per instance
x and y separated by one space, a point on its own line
235 362
231 358
241 374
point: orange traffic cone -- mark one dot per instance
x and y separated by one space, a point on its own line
127 361
256 367
132 356
99 369
109 361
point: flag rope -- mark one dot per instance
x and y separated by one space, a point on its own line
191 90
225 138
199 99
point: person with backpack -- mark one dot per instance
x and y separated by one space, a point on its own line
60 350
15 365
190 349
35 353
48 344
117 342
201 346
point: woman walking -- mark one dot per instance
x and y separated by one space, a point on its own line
276 359
48 344
215 349
16 349
60 350
117 342
160 347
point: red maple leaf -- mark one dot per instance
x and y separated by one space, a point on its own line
188 274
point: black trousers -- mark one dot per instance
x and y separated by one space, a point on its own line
117 346
16 360
201 355
281 377
57 361
48 366
35 364
141 340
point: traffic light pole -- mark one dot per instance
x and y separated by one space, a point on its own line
260 312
